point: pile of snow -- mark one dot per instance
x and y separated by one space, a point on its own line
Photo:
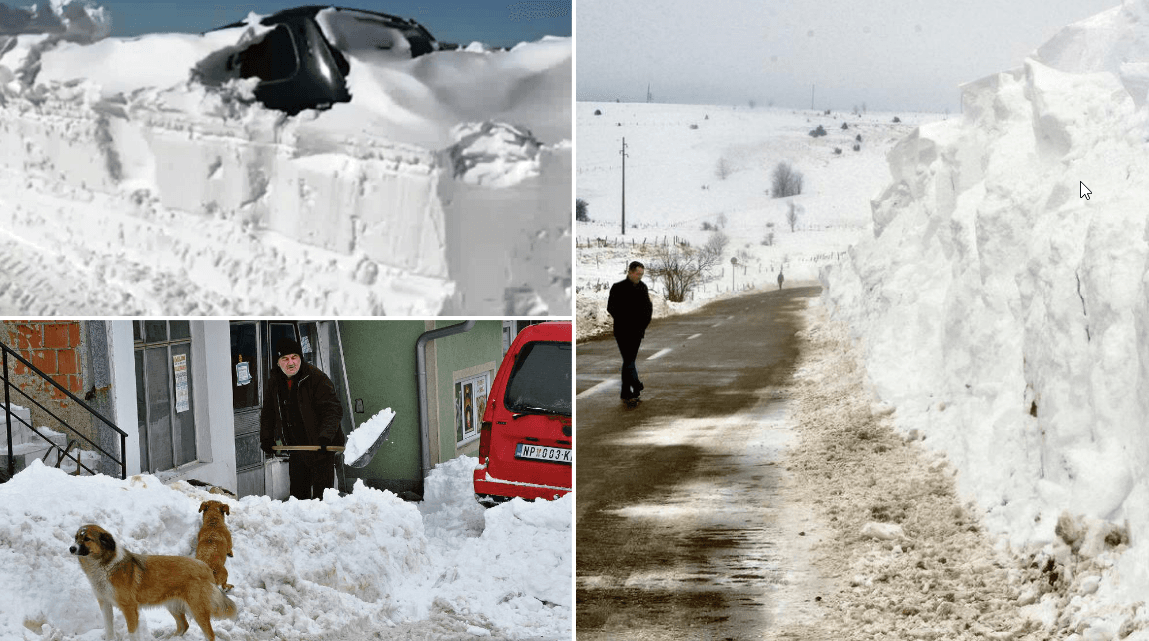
80 21
394 203
1007 318
694 168
360 440
302 569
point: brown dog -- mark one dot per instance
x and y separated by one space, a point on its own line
119 577
214 545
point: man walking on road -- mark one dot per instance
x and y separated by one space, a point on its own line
629 305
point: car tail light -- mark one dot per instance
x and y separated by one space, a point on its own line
484 441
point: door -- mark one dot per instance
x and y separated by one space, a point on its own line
165 399
247 381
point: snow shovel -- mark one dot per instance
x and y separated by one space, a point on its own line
357 437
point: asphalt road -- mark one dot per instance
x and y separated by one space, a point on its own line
675 511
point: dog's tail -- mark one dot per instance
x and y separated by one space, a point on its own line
222 607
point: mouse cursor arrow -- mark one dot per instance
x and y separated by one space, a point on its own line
1084 191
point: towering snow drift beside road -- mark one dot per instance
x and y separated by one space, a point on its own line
1006 318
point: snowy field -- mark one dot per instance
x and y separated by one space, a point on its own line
1005 319
693 165
442 187
364 566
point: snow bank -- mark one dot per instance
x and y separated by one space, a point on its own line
367 187
302 569
75 20
1004 316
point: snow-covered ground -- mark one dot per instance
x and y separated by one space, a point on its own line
443 186
1007 319
677 156
350 567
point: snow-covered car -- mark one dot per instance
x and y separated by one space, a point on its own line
298 58
525 445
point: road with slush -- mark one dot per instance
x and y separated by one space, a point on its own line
675 510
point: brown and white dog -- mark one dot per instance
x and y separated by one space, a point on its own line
214 544
181 584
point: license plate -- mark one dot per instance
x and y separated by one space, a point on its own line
543 453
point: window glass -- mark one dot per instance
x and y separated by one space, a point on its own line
179 329
541 379
159 405
155 331
245 380
272 58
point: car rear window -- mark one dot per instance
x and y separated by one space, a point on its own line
541 379
272 58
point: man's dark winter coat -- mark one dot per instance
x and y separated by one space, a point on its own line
629 305
308 414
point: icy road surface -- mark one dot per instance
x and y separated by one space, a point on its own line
678 509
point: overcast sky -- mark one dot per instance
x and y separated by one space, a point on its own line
493 22
891 54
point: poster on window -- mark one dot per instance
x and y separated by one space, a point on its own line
242 373
470 403
180 369
468 409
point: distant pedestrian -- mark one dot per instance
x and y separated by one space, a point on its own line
780 279
629 305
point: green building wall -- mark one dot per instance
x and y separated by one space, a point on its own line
380 360
482 345
379 357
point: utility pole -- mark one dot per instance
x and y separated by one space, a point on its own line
623 152
811 97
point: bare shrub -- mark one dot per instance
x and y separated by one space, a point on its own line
680 267
581 214
722 170
785 181
792 215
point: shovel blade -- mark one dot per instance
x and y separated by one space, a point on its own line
369 453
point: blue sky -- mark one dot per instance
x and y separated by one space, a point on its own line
493 22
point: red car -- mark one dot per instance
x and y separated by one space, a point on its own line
525 444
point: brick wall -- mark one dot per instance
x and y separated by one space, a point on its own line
55 348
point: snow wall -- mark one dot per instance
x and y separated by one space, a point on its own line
404 193
1007 318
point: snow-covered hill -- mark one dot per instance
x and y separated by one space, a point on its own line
695 166
1006 318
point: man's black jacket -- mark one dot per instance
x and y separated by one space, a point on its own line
308 414
629 305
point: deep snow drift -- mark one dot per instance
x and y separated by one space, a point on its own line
442 569
443 186
1007 319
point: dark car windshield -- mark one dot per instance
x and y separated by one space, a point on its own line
541 379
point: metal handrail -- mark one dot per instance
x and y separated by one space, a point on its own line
8 384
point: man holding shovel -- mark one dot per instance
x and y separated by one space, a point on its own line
300 407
